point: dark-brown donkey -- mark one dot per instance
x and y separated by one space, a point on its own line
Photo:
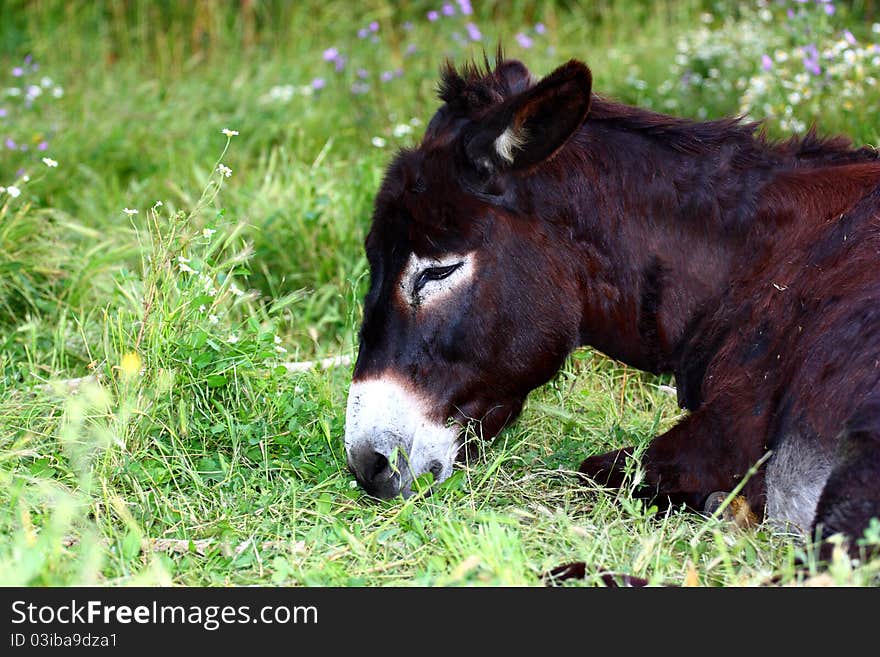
536 217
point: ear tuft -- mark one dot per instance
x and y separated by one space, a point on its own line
508 142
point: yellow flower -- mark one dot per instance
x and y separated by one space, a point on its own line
131 364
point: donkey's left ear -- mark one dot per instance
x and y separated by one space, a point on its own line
533 125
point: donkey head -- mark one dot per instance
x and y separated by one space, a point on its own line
472 301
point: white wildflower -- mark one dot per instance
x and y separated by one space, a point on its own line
202 308
229 133
129 211
213 319
13 191
378 142
401 130
207 233
232 339
49 162
208 282
224 170
235 290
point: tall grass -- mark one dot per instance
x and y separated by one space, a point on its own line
149 432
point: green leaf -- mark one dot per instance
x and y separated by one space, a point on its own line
131 545
216 381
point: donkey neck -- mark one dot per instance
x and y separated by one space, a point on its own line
663 232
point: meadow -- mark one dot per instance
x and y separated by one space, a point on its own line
184 193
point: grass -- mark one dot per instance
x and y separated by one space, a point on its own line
188 454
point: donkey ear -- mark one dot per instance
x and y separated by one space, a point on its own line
531 126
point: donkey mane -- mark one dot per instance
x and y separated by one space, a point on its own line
469 90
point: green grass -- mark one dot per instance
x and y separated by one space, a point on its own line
188 455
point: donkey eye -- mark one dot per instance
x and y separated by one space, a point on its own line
434 274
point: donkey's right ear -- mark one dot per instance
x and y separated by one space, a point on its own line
533 125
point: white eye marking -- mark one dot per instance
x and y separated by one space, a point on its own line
418 290
509 141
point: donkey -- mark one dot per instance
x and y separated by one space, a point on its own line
536 216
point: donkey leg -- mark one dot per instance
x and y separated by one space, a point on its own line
579 570
851 496
685 465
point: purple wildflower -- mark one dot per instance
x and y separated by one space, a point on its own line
411 49
43 145
10 143
359 88
363 33
331 55
3 112
829 9
17 72
850 37
524 40
374 26
363 73
766 62
448 10
811 58
339 64
433 15
473 32
319 83
540 28
465 6
386 76
790 13
407 26
28 59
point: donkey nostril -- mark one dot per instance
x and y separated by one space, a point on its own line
381 470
